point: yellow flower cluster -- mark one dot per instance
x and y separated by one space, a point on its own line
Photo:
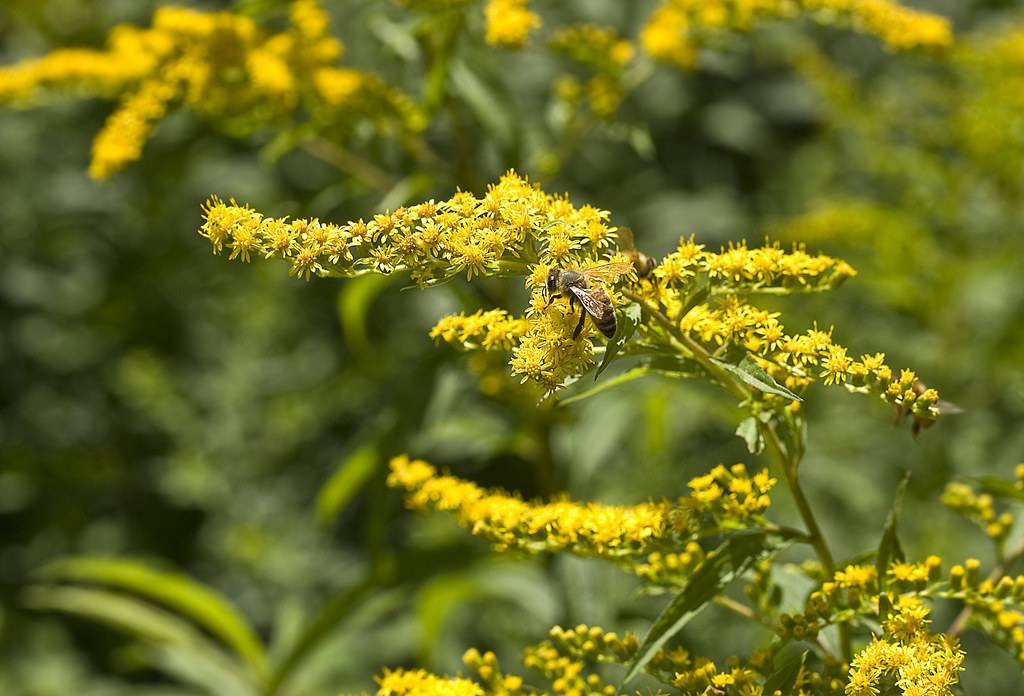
979 508
602 50
675 31
795 360
854 590
402 682
223 65
515 228
995 603
730 496
487 668
508 522
570 649
490 330
671 568
131 54
568 676
987 115
600 47
434 241
920 664
509 22
738 268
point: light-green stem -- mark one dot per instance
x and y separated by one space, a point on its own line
783 458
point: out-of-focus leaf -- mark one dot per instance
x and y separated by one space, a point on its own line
618 380
336 610
195 658
197 667
889 548
736 554
754 375
354 302
495 117
785 674
191 599
629 319
349 477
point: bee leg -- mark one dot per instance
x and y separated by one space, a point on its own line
552 297
579 327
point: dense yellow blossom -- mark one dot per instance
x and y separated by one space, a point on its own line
402 682
979 508
509 22
490 330
222 65
919 663
517 229
676 29
602 51
509 522
503 232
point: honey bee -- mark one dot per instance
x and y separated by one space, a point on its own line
575 284
642 263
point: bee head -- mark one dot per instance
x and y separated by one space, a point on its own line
552 283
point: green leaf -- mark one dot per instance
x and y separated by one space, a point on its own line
734 557
497 119
749 431
889 548
785 675
754 375
629 319
196 660
188 597
627 376
336 610
354 301
354 471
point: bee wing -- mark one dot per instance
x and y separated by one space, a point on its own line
609 272
626 240
594 301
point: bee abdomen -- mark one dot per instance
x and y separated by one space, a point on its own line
607 323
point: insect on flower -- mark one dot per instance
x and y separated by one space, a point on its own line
642 263
575 284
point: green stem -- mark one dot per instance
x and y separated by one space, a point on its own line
788 464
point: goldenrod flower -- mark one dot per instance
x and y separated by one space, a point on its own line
675 30
979 508
419 682
509 22
222 65
509 522
918 662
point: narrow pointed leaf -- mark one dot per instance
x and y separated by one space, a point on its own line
354 471
734 557
337 609
191 599
172 645
785 675
627 376
889 548
754 375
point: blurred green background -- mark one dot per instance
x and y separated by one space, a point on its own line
160 403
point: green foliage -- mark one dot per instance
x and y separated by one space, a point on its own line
158 403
